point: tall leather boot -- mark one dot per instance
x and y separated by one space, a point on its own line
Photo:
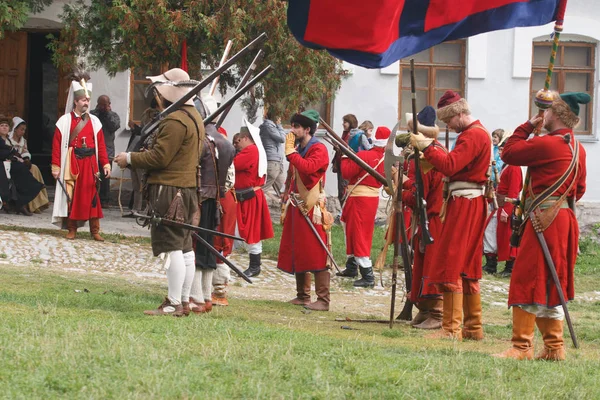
423 314
522 339
72 229
451 318
322 281
254 267
303 281
351 270
473 328
95 229
508 267
367 280
434 321
554 344
491 264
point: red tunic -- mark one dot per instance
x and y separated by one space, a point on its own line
423 266
300 250
511 183
253 217
458 253
359 212
227 225
83 207
548 158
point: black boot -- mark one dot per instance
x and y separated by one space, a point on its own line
367 280
351 270
254 267
491 262
507 269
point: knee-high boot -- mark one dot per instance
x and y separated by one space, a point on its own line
303 281
95 229
522 339
451 318
473 328
554 344
322 281
72 229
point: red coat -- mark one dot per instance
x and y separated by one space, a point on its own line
253 217
359 212
227 225
83 207
299 250
547 157
511 183
458 253
423 265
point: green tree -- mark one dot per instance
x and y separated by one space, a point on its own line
14 13
148 34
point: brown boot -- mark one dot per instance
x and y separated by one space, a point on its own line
95 229
167 308
196 306
423 314
303 289
435 316
322 281
452 317
522 339
208 305
72 229
186 308
473 329
219 300
554 344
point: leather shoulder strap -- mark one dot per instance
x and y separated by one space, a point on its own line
80 125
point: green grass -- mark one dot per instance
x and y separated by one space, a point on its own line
58 343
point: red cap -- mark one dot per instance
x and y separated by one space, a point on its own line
448 98
382 133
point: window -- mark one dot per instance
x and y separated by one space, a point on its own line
574 71
437 70
137 99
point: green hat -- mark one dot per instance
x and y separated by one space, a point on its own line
574 99
308 118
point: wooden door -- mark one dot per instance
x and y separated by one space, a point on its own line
13 73
63 91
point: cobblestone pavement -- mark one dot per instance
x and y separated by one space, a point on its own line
135 261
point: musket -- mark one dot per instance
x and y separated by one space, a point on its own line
314 230
420 208
243 81
552 268
237 95
151 126
220 257
62 186
348 152
543 101
156 220
400 230
215 82
364 321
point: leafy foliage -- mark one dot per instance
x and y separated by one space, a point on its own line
14 13
147 35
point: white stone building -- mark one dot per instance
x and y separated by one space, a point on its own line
498 73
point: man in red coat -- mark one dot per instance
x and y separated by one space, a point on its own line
458 255
551 159
496 240
253 217
77 146
300 252
423 294
359 207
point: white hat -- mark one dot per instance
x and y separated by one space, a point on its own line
173 85
77 90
